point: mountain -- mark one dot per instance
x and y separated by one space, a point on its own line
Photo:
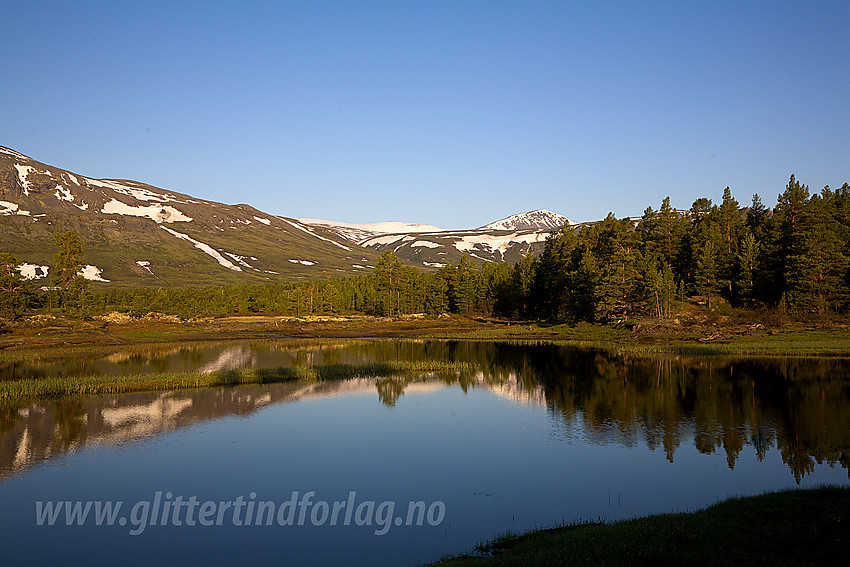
357 232
436 249
539 219
140 235
506 240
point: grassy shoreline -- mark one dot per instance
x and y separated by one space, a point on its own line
790 527
21 391
75 338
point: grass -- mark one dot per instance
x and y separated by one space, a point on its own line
792 527
35 342
19 391
790 343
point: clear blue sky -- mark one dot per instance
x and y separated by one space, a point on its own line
451 113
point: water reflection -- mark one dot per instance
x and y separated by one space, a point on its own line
799 407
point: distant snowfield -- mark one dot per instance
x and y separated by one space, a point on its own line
500 243
157 213
64 194
93 273
33 271
144 264
381 227
13 153
241 260
316 235
136 192
23 171
7 208
382 240
463 242
205 248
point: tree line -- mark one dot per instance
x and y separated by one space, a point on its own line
794 257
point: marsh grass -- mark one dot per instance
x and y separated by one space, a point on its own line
61 352
792 527
791 344
18 391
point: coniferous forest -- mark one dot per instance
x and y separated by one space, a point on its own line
794 258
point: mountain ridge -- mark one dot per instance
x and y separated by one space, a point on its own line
142 235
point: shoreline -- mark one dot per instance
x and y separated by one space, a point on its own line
57 337
788 527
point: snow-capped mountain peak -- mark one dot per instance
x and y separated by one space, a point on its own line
539 219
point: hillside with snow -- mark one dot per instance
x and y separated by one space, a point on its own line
138 234
426 246
141 235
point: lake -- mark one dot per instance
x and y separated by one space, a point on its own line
325 473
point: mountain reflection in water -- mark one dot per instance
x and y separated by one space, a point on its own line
800 407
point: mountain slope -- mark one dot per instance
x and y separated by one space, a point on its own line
357 232
138 234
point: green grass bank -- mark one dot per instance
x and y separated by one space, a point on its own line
792 527
20 391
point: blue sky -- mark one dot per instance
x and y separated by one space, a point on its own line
450 113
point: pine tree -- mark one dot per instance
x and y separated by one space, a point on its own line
748 255
15 290
68 262
705 275
553 285
522 285
69 259
388 284
621 289
662 288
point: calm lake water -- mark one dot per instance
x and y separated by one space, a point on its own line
535 435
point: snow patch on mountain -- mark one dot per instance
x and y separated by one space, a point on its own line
157 213
23 172
497 243
138 193
144 264
426 244
92 273
359 232
7 208
379 227
382 240
33 271
241 260
13 153
63 194
205 248
311 233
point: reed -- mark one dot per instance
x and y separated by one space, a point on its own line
80 386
